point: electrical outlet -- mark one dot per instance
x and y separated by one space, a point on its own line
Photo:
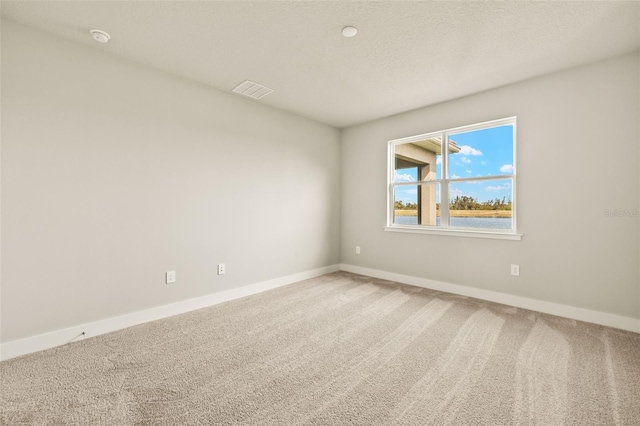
515 270
357 249
170 277
221 269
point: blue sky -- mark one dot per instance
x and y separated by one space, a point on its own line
486 152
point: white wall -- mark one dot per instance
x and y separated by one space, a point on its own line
113 173
578 151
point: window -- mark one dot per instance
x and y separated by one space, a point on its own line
472 167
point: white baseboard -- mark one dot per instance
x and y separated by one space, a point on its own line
580 314
56 338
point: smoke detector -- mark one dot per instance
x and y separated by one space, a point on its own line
349 31
100 36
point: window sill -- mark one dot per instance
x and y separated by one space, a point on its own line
455 232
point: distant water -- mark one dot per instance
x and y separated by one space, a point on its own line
463 222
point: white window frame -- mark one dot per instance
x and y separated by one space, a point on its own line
444 229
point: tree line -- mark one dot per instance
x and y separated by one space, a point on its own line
469 203
409 206
464 203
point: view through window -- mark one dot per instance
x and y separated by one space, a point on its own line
473 167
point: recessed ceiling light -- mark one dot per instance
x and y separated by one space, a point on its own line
100 36
349 31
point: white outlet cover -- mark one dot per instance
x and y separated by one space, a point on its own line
170 277
515 270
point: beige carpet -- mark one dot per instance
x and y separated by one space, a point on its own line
341 349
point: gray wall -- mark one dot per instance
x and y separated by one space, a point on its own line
578 139
113 173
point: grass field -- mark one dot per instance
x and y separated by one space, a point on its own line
461 213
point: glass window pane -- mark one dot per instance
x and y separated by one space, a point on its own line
485 152
419 160
417 205
405 172
481 204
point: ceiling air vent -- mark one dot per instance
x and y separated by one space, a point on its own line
252 90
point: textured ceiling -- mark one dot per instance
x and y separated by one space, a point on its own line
406 54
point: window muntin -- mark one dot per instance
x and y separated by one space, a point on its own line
471 166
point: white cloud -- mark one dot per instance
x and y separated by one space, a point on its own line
467 150
507 168
403 177
454 176
438 160
465 160
468 171
455 192
498 187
